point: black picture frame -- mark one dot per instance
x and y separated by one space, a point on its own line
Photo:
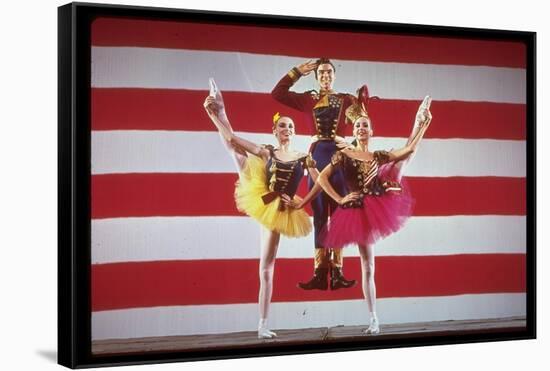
74 169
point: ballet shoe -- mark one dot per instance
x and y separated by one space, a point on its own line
264 333
421 113
374 327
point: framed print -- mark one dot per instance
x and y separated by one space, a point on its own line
236 185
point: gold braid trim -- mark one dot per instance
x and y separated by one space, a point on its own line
273 179
310 162
294 74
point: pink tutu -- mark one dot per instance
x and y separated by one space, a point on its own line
379 217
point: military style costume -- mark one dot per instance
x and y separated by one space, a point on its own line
325 112
382 208
260 187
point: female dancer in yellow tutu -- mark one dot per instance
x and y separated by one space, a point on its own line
268 180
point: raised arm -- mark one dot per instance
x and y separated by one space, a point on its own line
211 108
281 92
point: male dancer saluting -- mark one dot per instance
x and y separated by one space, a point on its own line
328 111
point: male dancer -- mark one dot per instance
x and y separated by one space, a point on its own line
328 108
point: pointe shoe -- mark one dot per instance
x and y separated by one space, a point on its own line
264 333
374 327
421 113
217 94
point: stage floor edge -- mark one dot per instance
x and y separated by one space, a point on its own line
249 339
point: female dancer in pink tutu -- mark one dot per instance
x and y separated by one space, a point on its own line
377 204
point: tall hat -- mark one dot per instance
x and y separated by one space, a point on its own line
359 109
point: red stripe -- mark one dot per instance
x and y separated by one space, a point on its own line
307 43
189 194
168 109
164 283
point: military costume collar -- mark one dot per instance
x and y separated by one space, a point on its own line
325 92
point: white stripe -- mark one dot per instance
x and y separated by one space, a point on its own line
126 67
215 319
135 151
196 238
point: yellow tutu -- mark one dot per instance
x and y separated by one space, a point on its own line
249 190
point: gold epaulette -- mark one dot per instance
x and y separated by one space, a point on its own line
310 162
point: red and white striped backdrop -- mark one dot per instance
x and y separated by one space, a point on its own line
171 254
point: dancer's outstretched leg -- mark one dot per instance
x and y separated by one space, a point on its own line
369 287
237 154
219 117
400 165
270 244
218 98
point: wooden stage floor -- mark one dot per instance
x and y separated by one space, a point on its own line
309 335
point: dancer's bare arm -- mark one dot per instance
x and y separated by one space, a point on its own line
297 202
324 182
341 143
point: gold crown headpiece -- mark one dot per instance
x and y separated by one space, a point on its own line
355 111
359 108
